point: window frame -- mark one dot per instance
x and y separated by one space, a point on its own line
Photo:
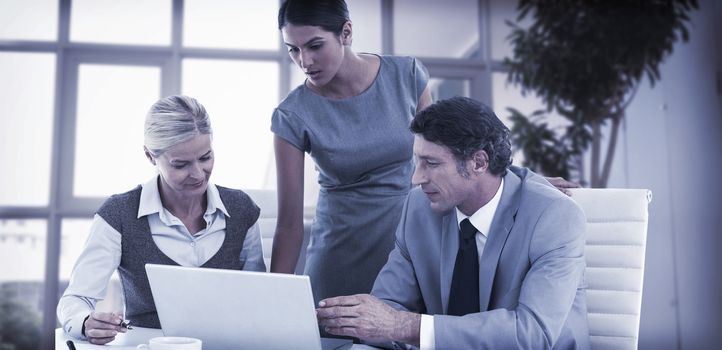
73 59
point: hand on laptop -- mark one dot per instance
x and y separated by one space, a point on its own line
102 327
366 317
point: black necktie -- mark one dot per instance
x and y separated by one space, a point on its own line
464 294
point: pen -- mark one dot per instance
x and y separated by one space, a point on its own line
125 324
70 344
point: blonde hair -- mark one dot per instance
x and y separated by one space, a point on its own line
173 120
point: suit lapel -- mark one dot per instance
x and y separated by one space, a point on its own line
449 248
501 225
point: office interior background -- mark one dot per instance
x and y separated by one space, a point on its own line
77 77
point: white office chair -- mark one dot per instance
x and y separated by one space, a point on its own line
615 248
266 200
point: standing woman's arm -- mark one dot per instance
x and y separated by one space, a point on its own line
289 227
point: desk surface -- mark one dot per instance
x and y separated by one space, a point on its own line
130 340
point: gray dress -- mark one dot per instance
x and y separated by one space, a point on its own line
362 148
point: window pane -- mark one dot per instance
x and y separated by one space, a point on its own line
423 28
366 24
244 24
22 248
29 20
506 95
26 126
74 233
297 76
239 97
442 88
112 103
502 11
137 22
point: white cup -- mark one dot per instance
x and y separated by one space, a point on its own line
172 343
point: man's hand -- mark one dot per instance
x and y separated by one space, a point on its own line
368 318
562 185
102 327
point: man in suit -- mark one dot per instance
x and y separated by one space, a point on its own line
487 256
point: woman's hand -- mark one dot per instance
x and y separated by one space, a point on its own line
562 185
102 327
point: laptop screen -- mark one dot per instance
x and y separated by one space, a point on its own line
236 309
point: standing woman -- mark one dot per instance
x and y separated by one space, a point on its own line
352 116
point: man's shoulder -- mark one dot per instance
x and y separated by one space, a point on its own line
540 197
540 191
418 208
418 200
417 195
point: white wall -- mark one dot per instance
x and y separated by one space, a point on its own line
672 146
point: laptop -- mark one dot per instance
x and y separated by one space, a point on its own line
230 309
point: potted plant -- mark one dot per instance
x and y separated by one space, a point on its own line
585 60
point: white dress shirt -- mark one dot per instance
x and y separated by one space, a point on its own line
101 255
481 220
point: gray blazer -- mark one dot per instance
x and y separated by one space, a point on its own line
531 275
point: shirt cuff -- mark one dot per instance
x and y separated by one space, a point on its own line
427 340
74 326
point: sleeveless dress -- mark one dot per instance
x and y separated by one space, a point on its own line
362 148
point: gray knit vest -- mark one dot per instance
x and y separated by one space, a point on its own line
138 248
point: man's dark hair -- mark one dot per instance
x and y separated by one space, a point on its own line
466 126
330 15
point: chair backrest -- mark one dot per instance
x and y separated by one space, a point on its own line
615 249
266 200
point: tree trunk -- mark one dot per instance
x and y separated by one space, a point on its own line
611 147
581 170
596 146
